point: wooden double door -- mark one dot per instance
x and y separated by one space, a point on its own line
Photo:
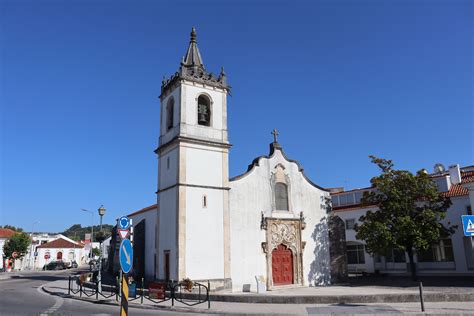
282 265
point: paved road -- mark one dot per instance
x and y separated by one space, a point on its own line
22 295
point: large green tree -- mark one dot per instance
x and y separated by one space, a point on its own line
409 215
19 243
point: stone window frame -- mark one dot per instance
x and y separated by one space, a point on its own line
287 182
211 109
170 103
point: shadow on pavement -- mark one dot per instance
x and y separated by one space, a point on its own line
402 281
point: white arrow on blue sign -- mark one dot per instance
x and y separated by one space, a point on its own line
126 255
468 224
124 222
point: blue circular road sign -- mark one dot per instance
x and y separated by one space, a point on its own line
124 222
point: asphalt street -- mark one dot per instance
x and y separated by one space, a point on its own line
22 295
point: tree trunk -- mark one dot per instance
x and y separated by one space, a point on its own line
412 263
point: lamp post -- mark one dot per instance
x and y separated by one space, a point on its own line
101 212
31 261
92 230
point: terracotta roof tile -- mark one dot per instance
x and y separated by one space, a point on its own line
467 176
60 243
143 210
6 233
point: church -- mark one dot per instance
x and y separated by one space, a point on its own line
269 223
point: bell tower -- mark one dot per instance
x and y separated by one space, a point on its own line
193 233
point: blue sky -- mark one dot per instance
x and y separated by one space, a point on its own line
340 80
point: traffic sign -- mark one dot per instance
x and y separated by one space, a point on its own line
126 255
14 254
123 233
124 222
468 224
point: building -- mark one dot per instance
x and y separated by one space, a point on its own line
451 256
5 234
60 249
268 223
144 223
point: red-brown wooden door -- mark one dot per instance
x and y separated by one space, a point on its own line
282 265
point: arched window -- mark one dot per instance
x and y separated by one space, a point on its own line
204 111
169 114
281 196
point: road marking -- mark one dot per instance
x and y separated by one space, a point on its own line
59 301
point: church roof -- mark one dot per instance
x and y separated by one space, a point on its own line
192 69
273 147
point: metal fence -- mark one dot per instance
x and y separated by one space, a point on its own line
189 294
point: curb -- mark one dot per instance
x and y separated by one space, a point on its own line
336 299
177 309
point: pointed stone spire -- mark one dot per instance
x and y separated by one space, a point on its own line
193 57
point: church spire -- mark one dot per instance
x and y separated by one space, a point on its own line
193 57
192 69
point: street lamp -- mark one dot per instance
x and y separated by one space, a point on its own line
32 261
92 230
101 212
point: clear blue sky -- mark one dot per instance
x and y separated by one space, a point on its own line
340 80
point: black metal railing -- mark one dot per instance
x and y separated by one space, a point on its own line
157 293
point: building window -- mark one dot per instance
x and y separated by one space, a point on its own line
281 196
350 223
355 254
204 201
170 114
396 255
168 163
439 252
204 111
469 210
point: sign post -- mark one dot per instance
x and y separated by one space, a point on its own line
126 262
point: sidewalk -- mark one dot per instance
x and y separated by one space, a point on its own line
60 288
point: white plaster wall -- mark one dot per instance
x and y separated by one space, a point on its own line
204 234
167 231
41 261
168 177
166 136
150 218
189 125
203 165
252 194
463 262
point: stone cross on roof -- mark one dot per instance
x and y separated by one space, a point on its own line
275 135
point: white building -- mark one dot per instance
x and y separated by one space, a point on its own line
144 224
451 256
267 223
60 249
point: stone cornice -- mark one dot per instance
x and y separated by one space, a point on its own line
190 140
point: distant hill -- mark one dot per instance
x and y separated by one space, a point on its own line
77 232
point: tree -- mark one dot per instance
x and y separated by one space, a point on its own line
409 215
19 243
16 229
95 252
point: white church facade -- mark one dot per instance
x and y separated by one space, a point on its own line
269 222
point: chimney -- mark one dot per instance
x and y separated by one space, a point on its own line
455 174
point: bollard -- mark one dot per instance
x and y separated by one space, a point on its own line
69 286
208 299
96 290
143 290
80 290
421 297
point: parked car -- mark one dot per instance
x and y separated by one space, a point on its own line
74 264
55 265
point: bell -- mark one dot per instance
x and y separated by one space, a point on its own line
202 119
